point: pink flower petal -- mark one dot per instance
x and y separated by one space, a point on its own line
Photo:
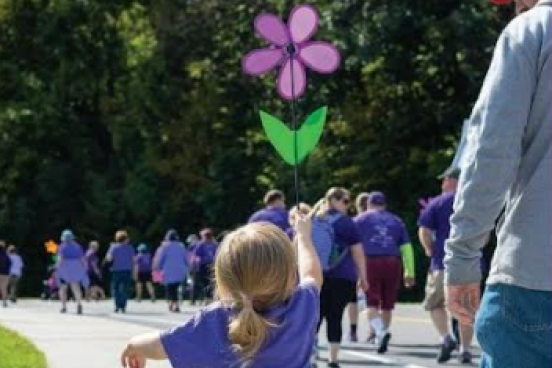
260 61
302 23
286 88
321 57
271 28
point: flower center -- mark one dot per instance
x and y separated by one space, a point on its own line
290 49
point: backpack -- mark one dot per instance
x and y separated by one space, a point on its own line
323 239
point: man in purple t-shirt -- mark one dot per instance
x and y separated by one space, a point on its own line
275 211
434 229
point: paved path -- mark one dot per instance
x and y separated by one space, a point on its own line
95 340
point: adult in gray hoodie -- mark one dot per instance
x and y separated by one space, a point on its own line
510 178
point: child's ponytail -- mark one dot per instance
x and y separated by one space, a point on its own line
248 331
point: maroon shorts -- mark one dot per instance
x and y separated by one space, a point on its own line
384 278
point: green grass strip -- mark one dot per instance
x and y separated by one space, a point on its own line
18 352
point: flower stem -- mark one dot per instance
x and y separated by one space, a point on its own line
295 137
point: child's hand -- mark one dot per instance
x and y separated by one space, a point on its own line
131 358
303 226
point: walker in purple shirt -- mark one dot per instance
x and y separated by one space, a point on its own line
71 267
143 262
171 260
205 252
122 255
346 235
203 340
436 217
381 233
274 215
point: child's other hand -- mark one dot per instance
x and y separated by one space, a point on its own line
132 358
303 226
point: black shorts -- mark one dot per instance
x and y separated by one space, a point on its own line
144 277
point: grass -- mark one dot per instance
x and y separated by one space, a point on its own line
18 352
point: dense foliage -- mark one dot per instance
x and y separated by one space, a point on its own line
135 113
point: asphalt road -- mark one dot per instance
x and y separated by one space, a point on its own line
413 345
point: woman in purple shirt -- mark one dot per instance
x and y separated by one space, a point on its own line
142 273
121 256
265 317
340 282
171 260
94 270
71 270
204 256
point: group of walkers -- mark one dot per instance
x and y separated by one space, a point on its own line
377 254
171 265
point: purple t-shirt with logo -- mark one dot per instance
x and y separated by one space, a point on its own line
381 233
205 252
122 255
203 340
143 262
274 215
436 217
346 235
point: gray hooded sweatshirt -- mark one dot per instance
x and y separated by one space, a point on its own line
510 171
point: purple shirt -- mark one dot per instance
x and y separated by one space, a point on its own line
143 262
70 250
274 215
122 255
436 217
171 260
346 235
203 340
205 252
93 262
381 233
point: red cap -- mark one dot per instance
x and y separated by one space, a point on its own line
501 2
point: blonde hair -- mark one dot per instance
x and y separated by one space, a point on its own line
255 269
322 207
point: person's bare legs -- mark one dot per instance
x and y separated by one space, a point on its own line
352 309
466 336
334 352
439 316
63 297
139 288
77 293
386 316
4 282
151 291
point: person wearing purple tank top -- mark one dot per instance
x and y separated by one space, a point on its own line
267 308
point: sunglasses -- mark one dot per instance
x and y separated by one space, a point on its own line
346 200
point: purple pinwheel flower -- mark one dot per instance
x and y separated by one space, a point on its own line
292 49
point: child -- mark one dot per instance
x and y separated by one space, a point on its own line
264 317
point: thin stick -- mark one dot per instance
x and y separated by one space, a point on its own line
295 138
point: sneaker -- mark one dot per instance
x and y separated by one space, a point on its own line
371 339
465 358
352 337
334 365
63 310
446 350
384 342
79 309
5 304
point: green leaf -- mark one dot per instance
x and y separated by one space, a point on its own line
282 138
310 132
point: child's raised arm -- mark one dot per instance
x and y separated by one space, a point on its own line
309 263
143 347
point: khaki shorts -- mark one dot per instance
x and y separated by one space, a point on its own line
435 291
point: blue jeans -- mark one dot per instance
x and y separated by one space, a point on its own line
120 285
514 327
